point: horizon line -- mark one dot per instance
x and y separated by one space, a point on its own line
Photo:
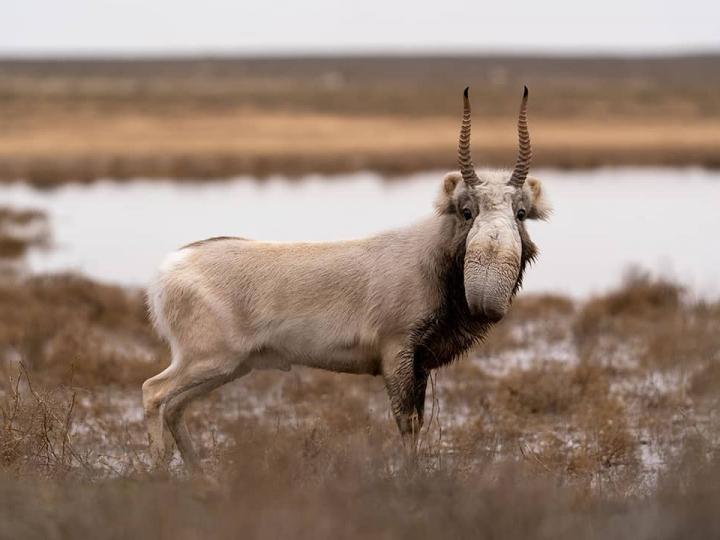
389 52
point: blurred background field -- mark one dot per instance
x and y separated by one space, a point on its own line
79 120
591 411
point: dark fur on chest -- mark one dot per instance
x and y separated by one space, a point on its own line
452 330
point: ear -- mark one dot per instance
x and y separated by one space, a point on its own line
539 205
445 203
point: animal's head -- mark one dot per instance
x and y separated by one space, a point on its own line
490 209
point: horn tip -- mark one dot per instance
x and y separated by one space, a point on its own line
465 92
525 93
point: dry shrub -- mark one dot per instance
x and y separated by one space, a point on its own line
371 504
358 486
579 430
21 230
706 381
682 341
688 490
531 317
640 298
60 325
648 321
604 453
553 388
608 448
35 435
299 484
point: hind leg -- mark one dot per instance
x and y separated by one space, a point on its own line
160 439
176 406
169 395
208 350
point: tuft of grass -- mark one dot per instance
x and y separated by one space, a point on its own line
35 433
639 298
21 230
64 326
552 388
650 321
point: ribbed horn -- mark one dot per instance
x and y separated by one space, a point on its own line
522 166
467 168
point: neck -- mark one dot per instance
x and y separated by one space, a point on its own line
450 330
438 243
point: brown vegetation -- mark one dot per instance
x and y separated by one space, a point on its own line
21 230
651 321
67 328
574 420
305 482
82 120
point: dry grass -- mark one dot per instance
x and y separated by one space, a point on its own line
65 327
80 121
20 230
650 320
35 436
89 146
308 483
574 420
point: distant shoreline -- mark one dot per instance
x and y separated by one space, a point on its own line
51 172
208 118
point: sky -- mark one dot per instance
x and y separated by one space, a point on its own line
145 27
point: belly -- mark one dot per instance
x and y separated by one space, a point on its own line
352 359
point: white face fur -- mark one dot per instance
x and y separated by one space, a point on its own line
499 208
495 213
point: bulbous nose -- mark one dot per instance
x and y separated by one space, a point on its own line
492 263
491 310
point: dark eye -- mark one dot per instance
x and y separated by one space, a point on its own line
467 214
521 214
